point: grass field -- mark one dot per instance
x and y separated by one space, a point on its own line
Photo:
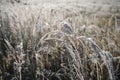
60 40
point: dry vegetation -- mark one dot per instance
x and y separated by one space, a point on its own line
58 42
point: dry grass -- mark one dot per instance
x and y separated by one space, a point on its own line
35 44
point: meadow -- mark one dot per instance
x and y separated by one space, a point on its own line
59 41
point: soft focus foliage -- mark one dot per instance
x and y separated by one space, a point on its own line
58 42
